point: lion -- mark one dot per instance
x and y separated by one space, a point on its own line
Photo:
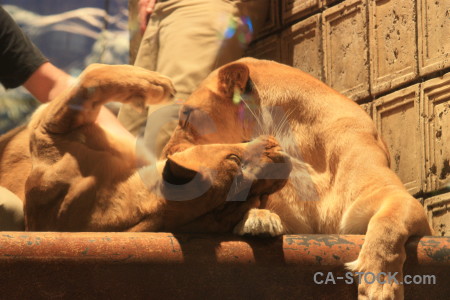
75 175
341 182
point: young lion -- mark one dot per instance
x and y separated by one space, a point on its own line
341 181
74 175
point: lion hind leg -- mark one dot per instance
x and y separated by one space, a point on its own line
100 84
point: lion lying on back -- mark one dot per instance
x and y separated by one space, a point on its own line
74 175
341 181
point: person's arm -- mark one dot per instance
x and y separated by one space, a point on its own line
146 8
47 82
22 63
107 120
19 57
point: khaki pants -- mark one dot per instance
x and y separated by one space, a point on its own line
185 40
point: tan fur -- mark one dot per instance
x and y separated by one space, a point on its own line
341 181
74 175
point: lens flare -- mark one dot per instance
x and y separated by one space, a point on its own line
237 96
180 101
231 30
248 22
241 112
239 28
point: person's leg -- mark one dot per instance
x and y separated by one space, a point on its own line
186 40
133 120
198 36
11 211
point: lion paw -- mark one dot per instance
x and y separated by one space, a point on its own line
376 284
260 222
124 83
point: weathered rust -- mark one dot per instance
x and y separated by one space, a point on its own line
165 266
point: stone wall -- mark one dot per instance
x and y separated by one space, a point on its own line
393 58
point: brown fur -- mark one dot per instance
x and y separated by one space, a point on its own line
74 175
341 181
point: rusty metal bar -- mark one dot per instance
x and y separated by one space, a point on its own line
166 266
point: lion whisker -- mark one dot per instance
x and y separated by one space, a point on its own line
260 125
283 122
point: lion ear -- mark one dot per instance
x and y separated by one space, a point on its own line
180 169
231 77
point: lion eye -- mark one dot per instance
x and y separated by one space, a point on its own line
234 158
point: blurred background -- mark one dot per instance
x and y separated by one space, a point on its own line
72 34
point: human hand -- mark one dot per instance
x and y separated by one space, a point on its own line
145 9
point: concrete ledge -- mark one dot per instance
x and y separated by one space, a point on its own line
167 266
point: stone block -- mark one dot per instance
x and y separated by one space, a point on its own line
328 3
433 19
302 46
368 108
436 101
292 10
392 41
272 23
397 117
438 212
268 48
345 45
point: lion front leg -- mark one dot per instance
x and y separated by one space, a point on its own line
260 222
379 267
380 262
100 84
